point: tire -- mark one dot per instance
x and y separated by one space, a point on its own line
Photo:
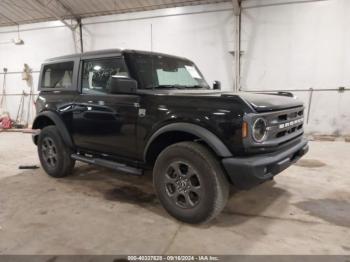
54 155
190 183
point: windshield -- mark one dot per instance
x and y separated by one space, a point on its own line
162 72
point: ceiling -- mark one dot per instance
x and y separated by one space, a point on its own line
15 12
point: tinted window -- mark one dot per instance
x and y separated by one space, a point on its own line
97 74
58 75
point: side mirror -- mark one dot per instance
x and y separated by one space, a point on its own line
122 85
217 85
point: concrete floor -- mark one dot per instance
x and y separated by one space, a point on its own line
306 210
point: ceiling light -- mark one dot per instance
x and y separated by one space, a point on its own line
18 40
97 68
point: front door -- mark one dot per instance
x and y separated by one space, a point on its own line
104 122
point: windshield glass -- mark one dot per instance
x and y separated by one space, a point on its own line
161 72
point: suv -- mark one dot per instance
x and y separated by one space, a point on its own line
132 111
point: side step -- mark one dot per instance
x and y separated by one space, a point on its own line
108 164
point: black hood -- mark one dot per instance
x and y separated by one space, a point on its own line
268 102
259 102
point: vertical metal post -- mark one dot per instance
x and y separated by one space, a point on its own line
78 36
309 106
153 70
237 87
237 39
81 36
3 96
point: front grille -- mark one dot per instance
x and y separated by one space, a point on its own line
294 121
284 126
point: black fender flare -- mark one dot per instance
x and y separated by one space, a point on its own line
207 136
56 119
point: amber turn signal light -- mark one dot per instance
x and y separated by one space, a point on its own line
244 130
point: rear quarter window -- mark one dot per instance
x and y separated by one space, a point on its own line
58 76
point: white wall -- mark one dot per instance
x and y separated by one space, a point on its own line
301 46
200 33
286 46
40 44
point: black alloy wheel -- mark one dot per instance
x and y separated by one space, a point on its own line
49 151
54 155
190 182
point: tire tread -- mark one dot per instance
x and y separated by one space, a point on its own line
221 182
67 163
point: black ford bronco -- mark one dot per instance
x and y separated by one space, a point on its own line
132 111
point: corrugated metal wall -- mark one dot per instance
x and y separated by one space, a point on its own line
13 12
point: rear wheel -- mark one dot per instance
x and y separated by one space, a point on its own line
54 156
190 183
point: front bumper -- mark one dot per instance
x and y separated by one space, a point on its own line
247 172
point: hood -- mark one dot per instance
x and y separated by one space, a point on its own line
259 102
268 102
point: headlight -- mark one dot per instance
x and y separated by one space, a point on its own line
259 130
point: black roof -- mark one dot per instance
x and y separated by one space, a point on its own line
108 52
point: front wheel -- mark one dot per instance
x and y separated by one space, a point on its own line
54 156
190 182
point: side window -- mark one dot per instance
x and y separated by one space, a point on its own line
97 74
58 75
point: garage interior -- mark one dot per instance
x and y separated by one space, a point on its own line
297 46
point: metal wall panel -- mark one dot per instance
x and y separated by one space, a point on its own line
14 12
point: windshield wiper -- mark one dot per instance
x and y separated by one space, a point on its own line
179 87
169 86
194 87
